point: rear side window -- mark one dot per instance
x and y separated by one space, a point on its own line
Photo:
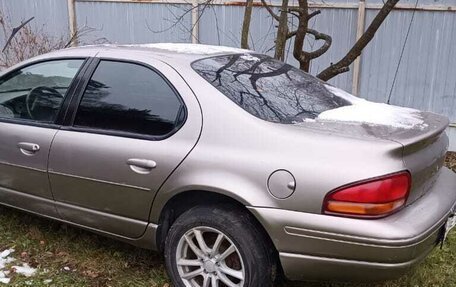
130 98
267 88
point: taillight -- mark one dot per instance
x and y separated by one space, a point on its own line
373 198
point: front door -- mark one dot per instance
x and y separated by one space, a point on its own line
131 130
30 100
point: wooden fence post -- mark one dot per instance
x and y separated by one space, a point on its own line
195 22
359 33
72 22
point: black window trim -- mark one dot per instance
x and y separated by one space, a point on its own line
63 108
77 98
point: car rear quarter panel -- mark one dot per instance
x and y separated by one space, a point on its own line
237 153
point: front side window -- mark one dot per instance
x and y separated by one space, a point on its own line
35 93
131 98
267 88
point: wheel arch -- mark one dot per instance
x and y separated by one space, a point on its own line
181 202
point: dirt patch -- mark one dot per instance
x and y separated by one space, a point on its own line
450 160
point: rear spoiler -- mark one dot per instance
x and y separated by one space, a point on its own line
436 126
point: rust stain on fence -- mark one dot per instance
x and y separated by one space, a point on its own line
242 3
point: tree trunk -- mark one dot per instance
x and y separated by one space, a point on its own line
301 32
246 24
343 65
282 32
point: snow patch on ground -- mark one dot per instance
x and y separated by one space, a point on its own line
199 49
3 277
25 270
362 111
5 260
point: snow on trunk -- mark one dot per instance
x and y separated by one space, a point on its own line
362 111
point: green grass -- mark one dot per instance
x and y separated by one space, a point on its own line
98 261
93 260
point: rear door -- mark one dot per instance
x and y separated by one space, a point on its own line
31 100
131 128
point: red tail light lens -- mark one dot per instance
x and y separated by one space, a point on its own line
373 198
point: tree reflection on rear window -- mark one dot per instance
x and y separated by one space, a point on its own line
267 88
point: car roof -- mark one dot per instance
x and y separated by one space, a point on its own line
177 55
167 52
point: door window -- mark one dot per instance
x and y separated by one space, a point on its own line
36 92
132 98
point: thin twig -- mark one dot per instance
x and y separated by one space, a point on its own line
15 31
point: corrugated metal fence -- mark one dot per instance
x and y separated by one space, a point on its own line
425 78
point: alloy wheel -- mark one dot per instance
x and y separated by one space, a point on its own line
206 257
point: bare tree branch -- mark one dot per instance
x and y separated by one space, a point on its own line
293 13
305 57
14 32
27 42
274 15
343 65
291 34
313 14
80 33
323 49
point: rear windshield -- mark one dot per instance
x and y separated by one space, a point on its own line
267 88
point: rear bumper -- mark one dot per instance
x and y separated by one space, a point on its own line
319 247
333 269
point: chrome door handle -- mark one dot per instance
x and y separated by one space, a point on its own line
142 166
28 148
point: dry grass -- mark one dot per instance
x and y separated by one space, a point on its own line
30 42
450 160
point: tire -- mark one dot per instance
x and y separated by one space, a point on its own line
252 259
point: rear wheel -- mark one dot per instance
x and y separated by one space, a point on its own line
217 247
